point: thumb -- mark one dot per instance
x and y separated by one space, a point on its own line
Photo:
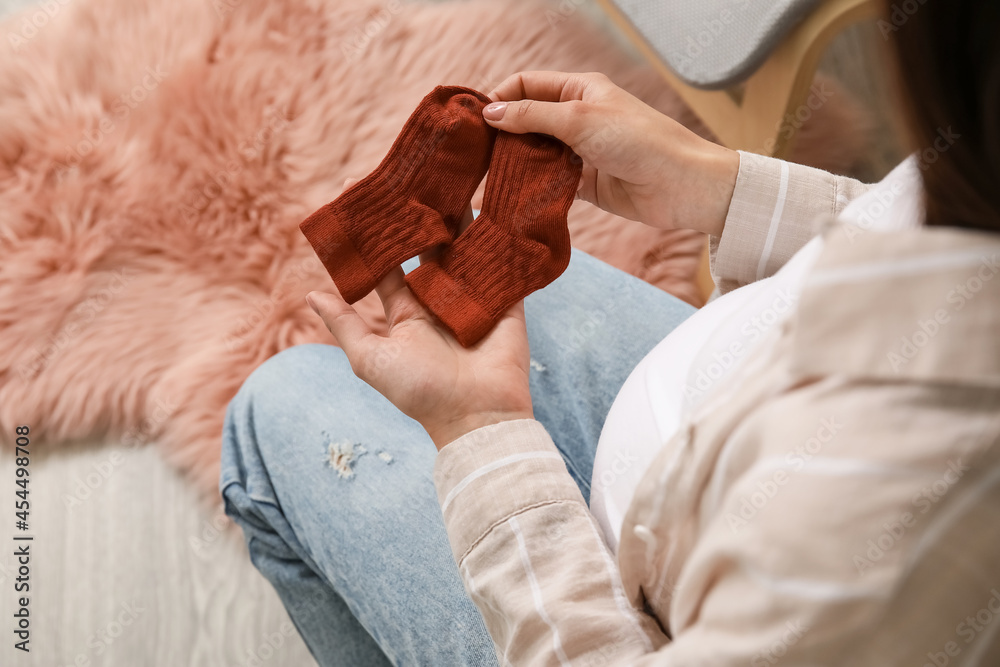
350 330
562 120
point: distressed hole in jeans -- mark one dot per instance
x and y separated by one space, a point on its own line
341 456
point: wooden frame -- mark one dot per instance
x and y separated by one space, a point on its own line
756 117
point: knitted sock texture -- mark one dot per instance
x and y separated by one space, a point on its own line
518 244
414 200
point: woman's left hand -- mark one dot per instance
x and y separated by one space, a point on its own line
423 370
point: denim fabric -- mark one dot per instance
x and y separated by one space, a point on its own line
359 554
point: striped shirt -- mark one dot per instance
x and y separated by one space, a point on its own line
837 501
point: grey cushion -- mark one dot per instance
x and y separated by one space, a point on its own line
714 43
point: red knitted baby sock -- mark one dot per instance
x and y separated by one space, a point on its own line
518 244
415 198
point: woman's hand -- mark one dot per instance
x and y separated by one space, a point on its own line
638 163
422 369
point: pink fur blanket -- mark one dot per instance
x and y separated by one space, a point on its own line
156 157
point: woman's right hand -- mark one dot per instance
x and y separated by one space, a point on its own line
638 163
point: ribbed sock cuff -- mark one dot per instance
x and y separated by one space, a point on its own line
339 255
451 303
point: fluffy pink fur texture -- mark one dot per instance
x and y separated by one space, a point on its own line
157 156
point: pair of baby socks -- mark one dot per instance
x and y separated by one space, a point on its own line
416 198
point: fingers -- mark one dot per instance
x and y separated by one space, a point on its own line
514 315
542 86
348 182
510 327
565 121
587 190
565 106
350 330
467 219
397 301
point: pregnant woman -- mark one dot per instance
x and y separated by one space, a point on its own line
806 470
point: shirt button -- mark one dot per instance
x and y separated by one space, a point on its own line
644 534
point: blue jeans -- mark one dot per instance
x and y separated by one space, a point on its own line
358 553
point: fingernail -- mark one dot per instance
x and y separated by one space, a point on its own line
494 111
311 301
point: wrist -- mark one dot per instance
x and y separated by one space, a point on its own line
453 429
719 167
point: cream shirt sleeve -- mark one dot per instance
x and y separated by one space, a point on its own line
777 207
530 554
